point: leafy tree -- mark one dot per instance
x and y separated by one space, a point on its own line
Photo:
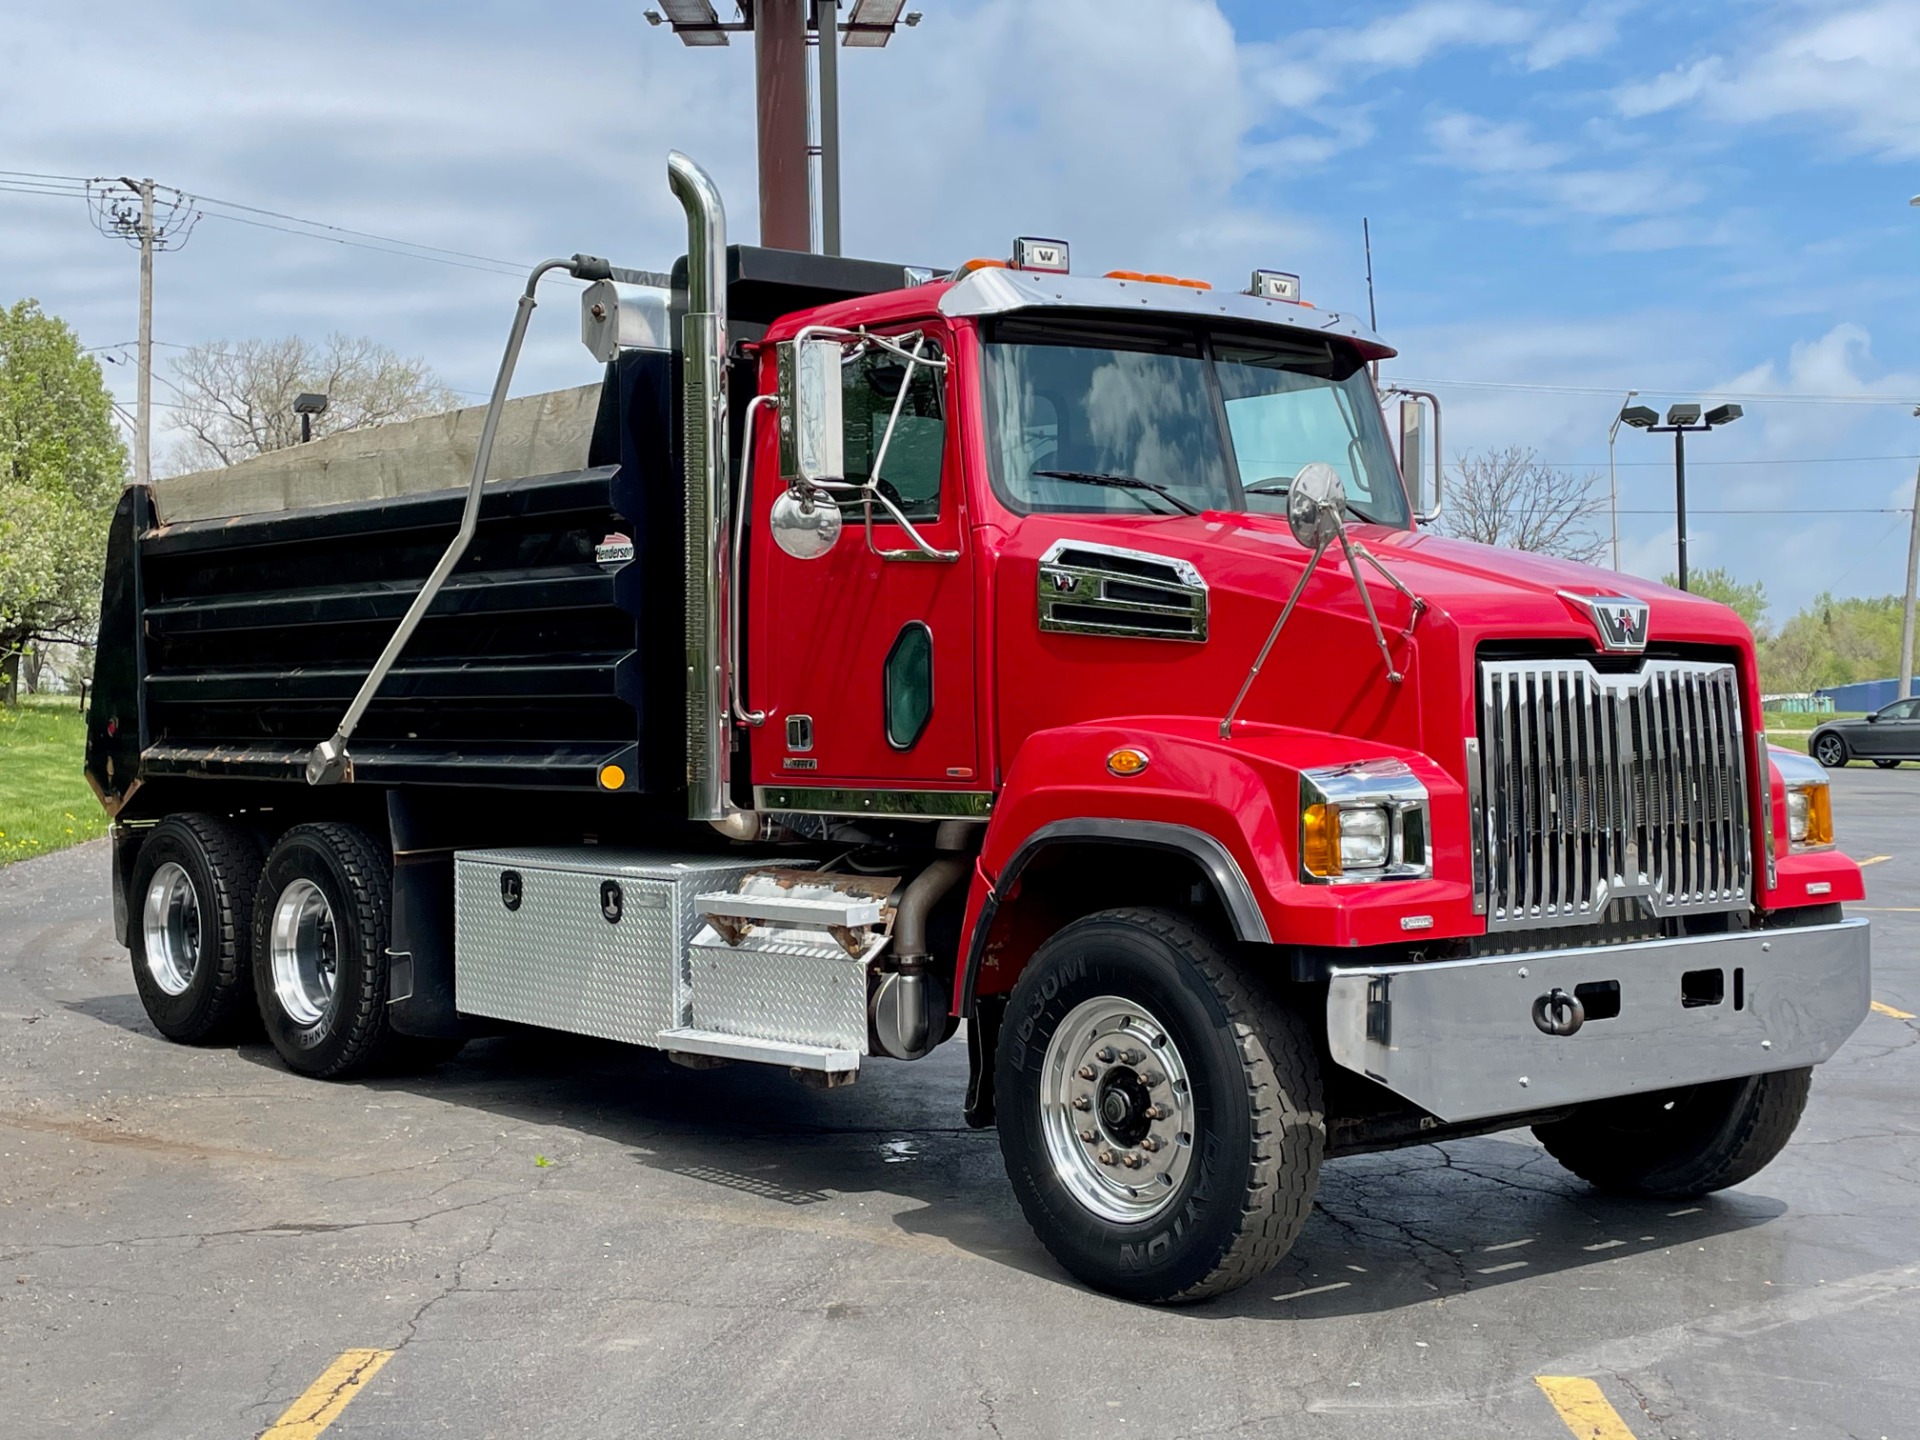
62 465
236 397
1507 497
1834 642
1749 602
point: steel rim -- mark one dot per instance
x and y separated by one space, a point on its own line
170 927
305 952
1116 1108
1829 751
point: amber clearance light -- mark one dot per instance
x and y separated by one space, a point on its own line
1127 761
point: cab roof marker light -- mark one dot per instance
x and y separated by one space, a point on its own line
1032 253
1144 278
1275 285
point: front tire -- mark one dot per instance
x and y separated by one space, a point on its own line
1160 1118
1830 751
191 898
1680 1144
320 927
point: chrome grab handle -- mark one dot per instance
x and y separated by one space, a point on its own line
740 711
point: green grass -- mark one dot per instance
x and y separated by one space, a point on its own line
45 802
1789 729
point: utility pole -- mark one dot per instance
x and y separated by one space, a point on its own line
151 218
1613 485
826 24
143 407
1913 576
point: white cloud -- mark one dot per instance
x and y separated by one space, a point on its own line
1508 157
1854 68
1471 143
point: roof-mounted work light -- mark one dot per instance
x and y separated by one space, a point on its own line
1033 253
1275 285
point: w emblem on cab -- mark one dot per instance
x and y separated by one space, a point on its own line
1620 620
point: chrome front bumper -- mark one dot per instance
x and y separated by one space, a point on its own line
1460 1038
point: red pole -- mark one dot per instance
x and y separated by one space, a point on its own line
780 64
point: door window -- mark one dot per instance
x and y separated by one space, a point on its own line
909 685
871 381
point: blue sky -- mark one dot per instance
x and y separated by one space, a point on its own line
1566 200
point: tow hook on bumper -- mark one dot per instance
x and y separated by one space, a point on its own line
1469 1039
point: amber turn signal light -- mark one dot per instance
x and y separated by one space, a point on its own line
1126 761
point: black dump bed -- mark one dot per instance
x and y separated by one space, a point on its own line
230 647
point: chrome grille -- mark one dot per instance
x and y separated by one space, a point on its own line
1596 787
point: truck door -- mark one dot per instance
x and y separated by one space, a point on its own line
863 658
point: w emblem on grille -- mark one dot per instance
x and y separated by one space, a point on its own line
1620 619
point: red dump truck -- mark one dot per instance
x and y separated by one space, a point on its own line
1057 655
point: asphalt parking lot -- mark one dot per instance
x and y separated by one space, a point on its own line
555 1238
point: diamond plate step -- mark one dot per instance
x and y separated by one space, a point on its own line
792 911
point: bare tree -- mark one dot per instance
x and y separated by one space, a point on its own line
236 397
1507 497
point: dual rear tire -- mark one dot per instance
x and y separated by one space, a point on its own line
298 939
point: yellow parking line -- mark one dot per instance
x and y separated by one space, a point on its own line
1889 1010
1872 860
327 1396
1584 1409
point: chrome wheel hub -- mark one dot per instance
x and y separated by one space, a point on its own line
170 929
304 952
1116 1110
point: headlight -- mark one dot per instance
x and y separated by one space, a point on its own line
1809 817
1809 801
1365 821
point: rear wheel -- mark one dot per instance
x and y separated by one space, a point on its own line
1830 750
191 897
1160 1117
1681 1144
320 930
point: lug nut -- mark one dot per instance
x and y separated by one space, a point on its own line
1155 1112
1105 1157
1083 1102
1152 1078
1130 1160
1104 1054
1086 1072
1132 1057
1150 1143
1087 1136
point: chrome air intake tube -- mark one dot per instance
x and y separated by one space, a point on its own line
704 396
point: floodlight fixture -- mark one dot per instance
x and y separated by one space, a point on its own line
1683 414
694 21
310 402
872 22
1723 415
1640 416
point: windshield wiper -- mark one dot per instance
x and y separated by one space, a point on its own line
1120 482
1277 487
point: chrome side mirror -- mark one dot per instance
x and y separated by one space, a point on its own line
812 442
1315 501
805 523
1419 445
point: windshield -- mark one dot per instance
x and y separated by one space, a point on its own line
1217 421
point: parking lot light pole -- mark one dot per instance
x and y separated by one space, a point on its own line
1682 420
1913 578
1613 487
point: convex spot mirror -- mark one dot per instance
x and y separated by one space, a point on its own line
805 524
1315 501
812 441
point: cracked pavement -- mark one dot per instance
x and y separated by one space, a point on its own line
189 1237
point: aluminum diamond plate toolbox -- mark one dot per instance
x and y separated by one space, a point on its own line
588 940
798 986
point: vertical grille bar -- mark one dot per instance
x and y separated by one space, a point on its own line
1601 786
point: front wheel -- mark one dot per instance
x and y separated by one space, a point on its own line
1830 751
1680 1144
1160 1117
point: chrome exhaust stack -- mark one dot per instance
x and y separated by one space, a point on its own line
704 397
